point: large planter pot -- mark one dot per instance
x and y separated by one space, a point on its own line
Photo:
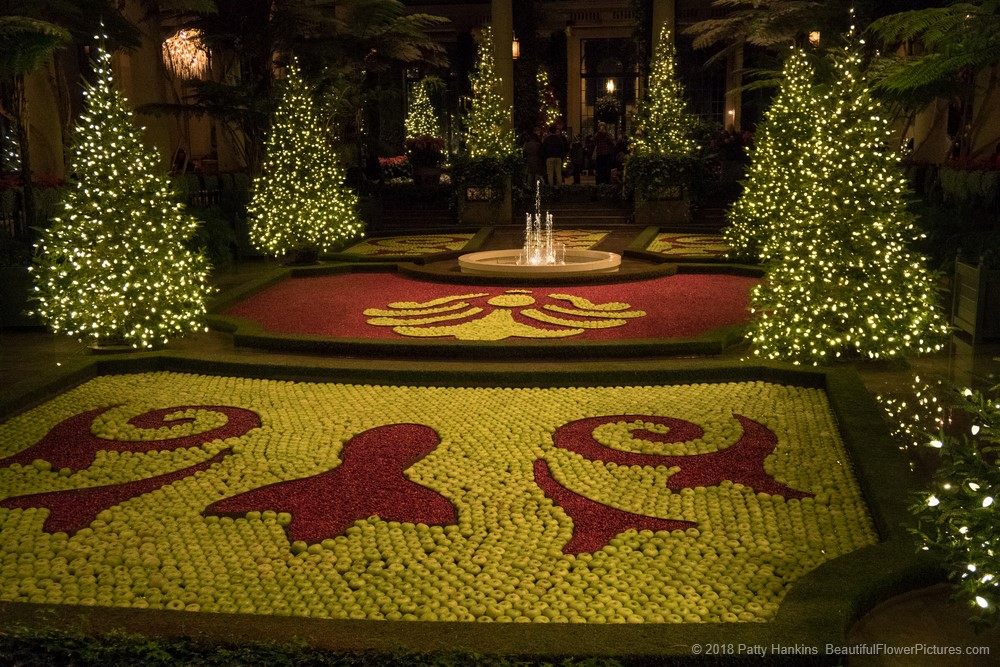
15 289
670 205
482 205
427 176
976 301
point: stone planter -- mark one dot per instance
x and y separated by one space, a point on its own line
671 205
425 176
484 206
975 307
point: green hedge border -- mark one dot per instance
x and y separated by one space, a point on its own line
247 333
818 610
637 250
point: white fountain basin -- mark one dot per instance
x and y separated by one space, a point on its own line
504 262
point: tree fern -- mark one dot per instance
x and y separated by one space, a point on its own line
958 38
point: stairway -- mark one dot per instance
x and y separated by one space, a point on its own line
410 217
585 215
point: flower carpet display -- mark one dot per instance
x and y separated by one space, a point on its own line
403 246
581 239
360 306
645 504
689 245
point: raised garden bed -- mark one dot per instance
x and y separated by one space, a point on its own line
517 478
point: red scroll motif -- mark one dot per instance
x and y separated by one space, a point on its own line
740 463
595 524
71 510
70 444
368 482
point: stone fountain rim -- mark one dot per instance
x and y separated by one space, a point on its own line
585 262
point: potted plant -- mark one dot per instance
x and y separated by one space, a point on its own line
425 154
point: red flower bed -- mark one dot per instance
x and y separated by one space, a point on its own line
679 306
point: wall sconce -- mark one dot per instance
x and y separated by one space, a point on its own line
515 48
814 38
610 86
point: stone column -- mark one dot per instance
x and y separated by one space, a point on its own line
664 13
734 80
45 134
574 95
502 18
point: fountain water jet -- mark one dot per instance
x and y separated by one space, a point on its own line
540 255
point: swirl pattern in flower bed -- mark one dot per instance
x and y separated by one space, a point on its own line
580 239
689 245
661 504
406 246
387 305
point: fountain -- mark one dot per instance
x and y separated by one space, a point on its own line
540 254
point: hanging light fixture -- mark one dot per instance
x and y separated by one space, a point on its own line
610 86
814 37
515 48
185 55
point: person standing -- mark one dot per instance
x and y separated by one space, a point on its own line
534 163
554 148
604 153
576 158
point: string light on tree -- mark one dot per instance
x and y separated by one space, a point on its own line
844 281
958 517
114 267
10 152
663 127
300 203
775 189
488 131
421 121
549 103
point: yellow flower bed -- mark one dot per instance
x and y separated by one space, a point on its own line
506 552
689 245
581 239
417 244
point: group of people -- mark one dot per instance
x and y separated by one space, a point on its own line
544 156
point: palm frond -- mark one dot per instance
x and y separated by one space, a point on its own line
27 42
930 25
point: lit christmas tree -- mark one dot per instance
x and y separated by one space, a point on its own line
663 127
958 517
845 281
114 269
10 152
779 166
421 121
488 131
300 203
547 96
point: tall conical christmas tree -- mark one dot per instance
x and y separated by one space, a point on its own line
300 203
846 281
113 268
547 98
488 131
421 121
779 167
662 126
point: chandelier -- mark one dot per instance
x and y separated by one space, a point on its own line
185 55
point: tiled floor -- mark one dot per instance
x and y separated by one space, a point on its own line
28 358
